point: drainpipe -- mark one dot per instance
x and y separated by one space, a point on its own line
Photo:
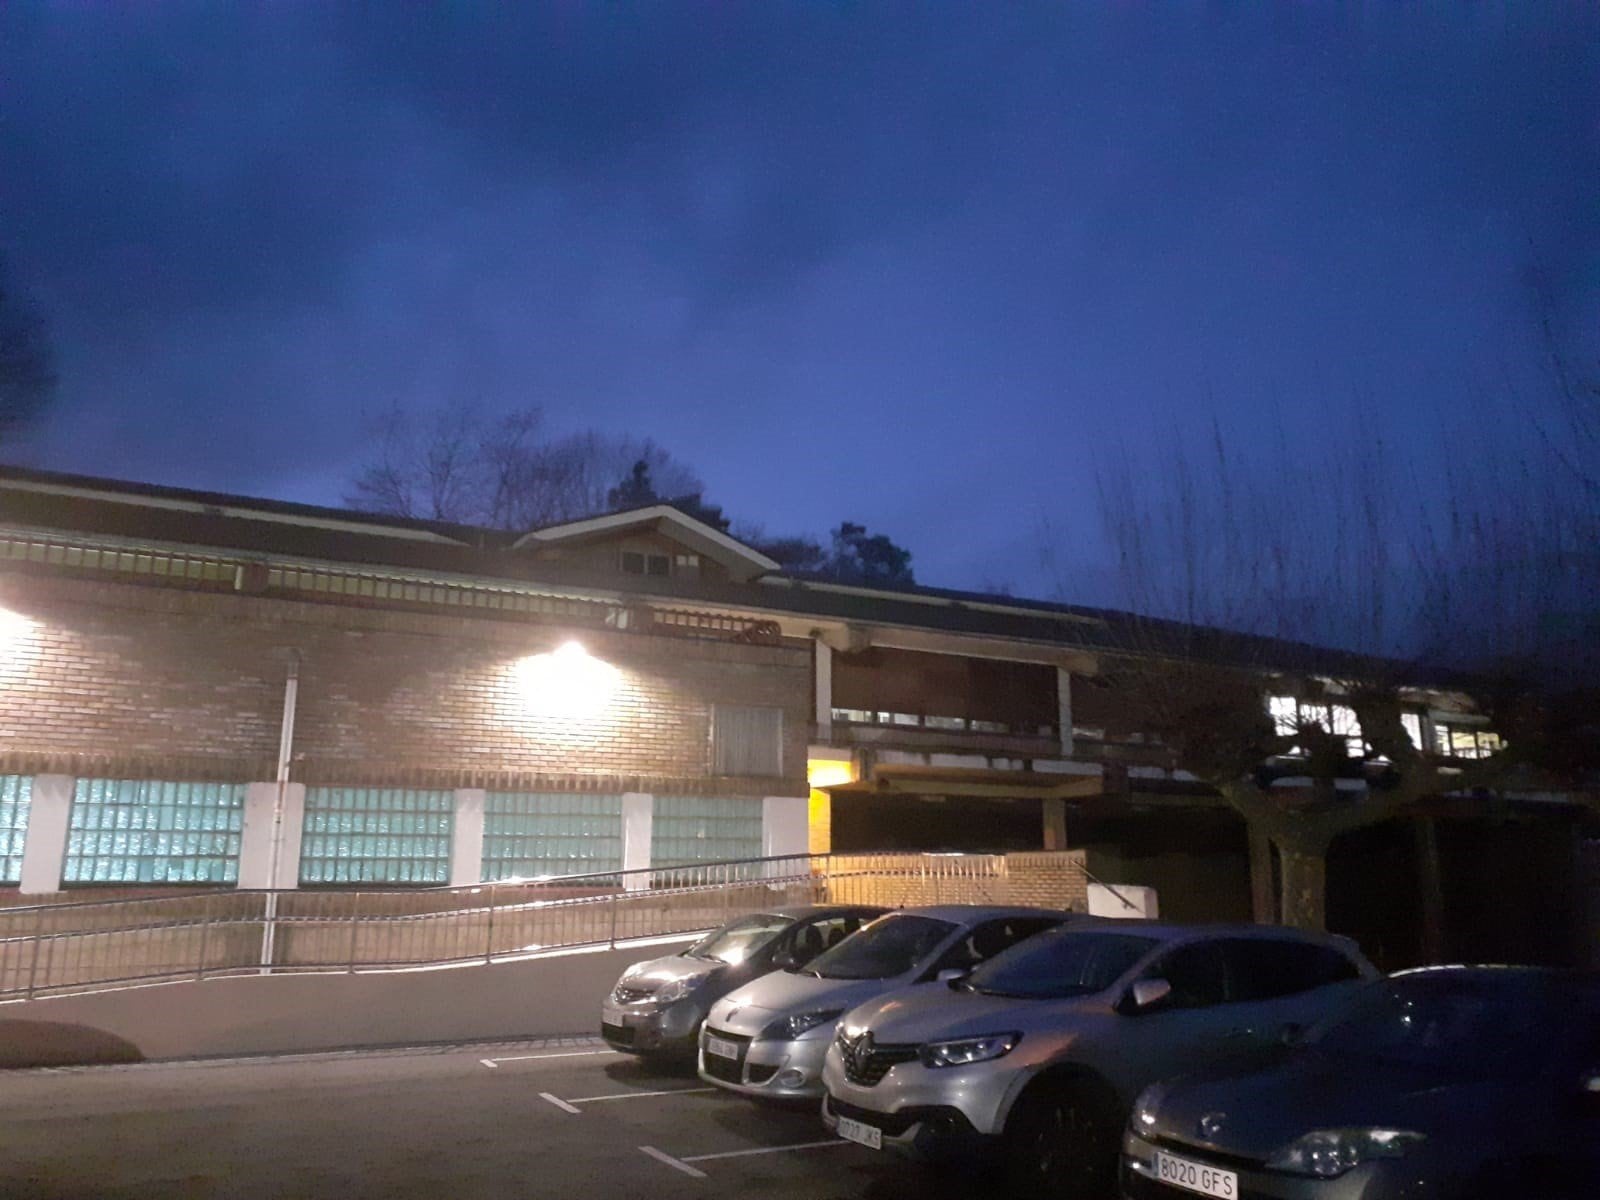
291 690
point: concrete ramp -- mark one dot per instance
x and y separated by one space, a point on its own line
552 994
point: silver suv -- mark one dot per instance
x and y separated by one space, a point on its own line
767 1039
1043 1048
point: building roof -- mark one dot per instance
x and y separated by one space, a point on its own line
250 527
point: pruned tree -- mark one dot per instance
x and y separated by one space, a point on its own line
27 363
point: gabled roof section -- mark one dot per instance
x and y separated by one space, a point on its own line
742 562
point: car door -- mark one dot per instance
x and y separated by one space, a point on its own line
1193 1027
1278 985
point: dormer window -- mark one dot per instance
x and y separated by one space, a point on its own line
635 562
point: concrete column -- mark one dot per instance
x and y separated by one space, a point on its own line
823 657
638 828
466 845
45 852
785 826
1064 710
255 843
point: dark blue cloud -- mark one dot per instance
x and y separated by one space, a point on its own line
907 266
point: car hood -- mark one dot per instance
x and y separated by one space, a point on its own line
1258 1111
750 1009
937 1012
649 976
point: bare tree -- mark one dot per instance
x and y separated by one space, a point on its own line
462 466
1262 583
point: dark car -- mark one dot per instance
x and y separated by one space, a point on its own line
657 1007
1448 1083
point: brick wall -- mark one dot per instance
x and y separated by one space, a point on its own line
1046 879
119 678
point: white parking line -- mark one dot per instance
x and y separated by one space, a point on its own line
676 1164
495 1062
559 1102
634 1095
694 1158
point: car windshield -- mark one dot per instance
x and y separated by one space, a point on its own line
886 948
738 940
1461 1028
1060 963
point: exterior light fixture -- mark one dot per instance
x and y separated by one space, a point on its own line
566 682
16 633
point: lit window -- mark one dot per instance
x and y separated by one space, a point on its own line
1465 741
154 831
377 835
1412 723
1289 716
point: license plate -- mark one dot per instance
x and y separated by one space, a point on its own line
869 1136
722 1049
1196 1177
610 1014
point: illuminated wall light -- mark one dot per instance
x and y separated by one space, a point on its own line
567 682
825 772
16 638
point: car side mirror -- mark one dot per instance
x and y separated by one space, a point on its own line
1148 993
951 974
786 959
1589 1089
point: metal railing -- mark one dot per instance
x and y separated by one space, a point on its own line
83 946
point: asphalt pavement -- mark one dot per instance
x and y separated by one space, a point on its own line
559 1118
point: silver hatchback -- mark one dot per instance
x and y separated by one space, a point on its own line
767 1039
1044 1048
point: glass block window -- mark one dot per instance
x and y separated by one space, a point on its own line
377 835
746 740
550 833
705 829
154 831
15 793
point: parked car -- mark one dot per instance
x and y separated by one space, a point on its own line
1448 1083
1042 1050
657 1007
768 1039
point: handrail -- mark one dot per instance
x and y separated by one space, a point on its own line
85 945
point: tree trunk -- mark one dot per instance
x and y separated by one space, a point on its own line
1263 892
1305 886
1430 884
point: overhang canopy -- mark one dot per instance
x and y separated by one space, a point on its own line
943 781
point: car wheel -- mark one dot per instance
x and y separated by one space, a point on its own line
1061 1144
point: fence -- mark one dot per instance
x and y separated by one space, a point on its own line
82 946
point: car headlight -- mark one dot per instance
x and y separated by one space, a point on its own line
1326 1153
968 1050
676 989
1146 1107
786 1029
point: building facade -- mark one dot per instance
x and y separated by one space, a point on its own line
216 690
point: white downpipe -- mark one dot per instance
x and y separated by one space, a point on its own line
291 691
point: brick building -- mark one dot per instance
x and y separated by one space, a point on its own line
426 704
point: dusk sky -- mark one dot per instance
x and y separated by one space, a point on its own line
921 267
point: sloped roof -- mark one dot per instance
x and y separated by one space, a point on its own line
706 539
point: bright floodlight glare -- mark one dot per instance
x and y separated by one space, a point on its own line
566 682
14 629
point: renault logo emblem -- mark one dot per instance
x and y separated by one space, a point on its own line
1211 1124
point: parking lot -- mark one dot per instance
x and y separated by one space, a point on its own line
562 1117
